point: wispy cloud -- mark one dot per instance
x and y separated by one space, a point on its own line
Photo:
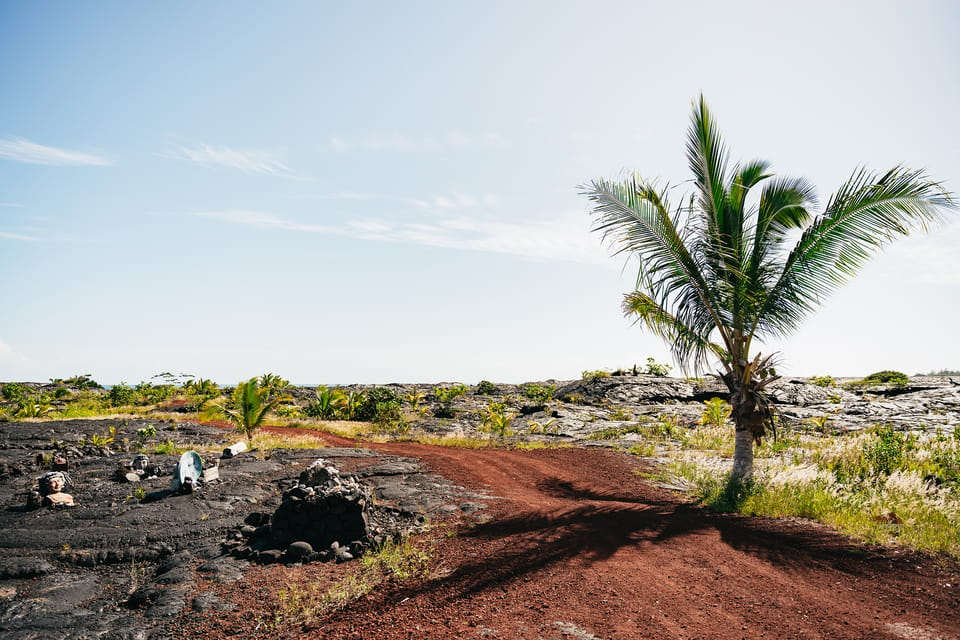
458 200
22 150
246 160
452 200
264 221
18 236
11 204
563 237
402 142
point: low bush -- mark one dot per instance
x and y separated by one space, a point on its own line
823 381
596 374
486 388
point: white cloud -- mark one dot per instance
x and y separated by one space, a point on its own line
18 236
29 152
263 221
564 237
11 204
248 161
457 200
402 142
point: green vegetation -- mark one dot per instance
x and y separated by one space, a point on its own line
497 420
716 412
168 448
330 403
249 406
547 427
445 397
883 486
655 369
539 394
596 374
823 381
718 271
15 391
892 378
297 606
381 406
486 388
84 381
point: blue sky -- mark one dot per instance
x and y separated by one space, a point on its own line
380 191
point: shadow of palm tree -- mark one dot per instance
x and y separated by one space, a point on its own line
597 525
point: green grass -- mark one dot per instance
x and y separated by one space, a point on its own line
266 441
300 605
881 486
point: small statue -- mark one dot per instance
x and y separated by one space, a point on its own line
51 490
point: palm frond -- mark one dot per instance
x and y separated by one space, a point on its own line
690 349
864 215
707 159
634 218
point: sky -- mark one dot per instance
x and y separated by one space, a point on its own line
374 192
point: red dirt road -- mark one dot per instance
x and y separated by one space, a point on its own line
578 546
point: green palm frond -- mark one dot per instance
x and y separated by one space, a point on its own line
707 159
689 348
634 217
868 212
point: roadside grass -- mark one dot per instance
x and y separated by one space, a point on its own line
299 605
267 441
881 486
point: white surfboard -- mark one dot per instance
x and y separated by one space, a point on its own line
189 468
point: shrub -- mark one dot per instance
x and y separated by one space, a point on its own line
149 393
15 391
655 369
486 388
445 396
379 405
596 374
32 408
275 385
887 451
81 382
540 394
497 420
823 381
716 412
328 404
122 395
894 378
201 387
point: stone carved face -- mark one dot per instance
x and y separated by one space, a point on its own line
52 483
55 484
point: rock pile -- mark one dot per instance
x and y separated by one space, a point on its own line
324 516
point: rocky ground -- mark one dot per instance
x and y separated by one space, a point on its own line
566 543
125 560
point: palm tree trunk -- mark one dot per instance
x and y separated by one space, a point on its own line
742 456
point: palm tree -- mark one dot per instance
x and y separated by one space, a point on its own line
250 406
717 271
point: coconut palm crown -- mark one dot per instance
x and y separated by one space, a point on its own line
250 406
730 265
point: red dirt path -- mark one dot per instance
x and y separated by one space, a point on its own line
578 546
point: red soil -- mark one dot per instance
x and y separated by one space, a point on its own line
578 546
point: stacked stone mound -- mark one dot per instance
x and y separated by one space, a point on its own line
322 509
322 517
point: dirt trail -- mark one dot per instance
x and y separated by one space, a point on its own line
578 546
